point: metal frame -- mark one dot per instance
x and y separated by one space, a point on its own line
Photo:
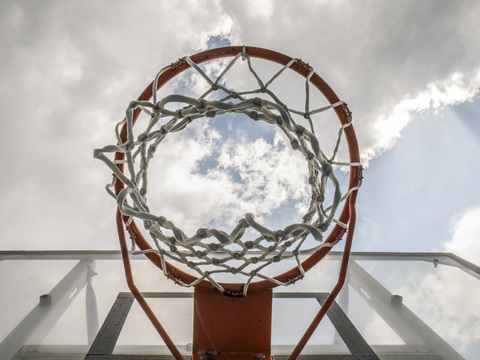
104 344
43 317
35 326
436 258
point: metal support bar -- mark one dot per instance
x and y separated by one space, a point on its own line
91 308
443 258
36 325
104 344
404 322
343 300
108 335
347 331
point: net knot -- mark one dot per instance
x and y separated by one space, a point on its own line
202 233
249 244
293 280
299 130
340 234
326 169
177 63
323 227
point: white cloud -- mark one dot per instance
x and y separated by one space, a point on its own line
465 240
69 69
250 176
456 89
447 300
382 58
260 9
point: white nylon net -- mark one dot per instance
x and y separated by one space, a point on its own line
210 252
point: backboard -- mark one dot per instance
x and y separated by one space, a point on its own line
76 305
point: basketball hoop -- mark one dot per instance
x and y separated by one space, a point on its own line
208 253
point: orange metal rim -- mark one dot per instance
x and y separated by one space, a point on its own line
343 116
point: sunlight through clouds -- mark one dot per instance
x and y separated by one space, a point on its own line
466 235
202 180
457 322
458 88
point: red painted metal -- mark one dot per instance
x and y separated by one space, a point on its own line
341 280
138 295
232 327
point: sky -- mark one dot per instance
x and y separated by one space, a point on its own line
409 70
411 84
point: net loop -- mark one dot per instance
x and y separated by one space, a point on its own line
209 252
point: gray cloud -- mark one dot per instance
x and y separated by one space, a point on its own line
68 71
374 54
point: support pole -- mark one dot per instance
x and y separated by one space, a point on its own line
411 329
36 325
91 308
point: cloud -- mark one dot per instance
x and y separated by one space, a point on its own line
446 300
69 69
446 297
380 57
456 89
199 179
65 84
465 235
